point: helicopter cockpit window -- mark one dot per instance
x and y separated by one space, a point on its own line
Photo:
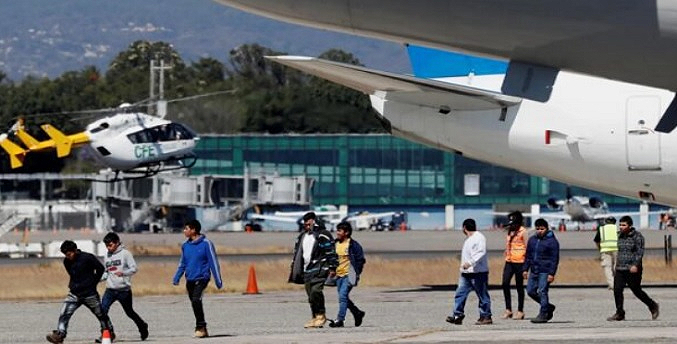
143 136
173 132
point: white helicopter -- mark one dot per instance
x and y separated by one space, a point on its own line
129 142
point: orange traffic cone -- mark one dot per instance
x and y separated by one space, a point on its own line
252 287
105 337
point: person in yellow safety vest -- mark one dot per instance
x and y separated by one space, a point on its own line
515 253
607 243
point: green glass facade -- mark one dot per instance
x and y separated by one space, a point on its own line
374 170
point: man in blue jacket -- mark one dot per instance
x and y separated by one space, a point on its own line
540 268
198 262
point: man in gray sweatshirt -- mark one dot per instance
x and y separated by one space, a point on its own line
120 266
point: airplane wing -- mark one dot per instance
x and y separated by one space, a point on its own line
274 218
618 215
364 217
546 216
301 213
408 89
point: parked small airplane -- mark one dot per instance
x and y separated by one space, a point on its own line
128 142
330 218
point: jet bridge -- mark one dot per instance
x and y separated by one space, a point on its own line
163 202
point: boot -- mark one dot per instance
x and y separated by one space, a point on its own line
507 314
310 322
319 320
201 332
55 337
518 316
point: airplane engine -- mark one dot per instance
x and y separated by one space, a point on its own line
595 202
552 203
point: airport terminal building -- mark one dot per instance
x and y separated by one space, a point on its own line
380 172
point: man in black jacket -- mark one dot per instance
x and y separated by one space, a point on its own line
313 261
629 269
85 272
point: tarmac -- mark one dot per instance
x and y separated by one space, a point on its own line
392 316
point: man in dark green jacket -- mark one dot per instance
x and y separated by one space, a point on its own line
313 261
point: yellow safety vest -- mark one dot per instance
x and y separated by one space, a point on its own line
608 238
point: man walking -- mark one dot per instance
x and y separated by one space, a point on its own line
540 268
313 261
198 262
120 266
85 272
629 269
350 264
607 243
474 276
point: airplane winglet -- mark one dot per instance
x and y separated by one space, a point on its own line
62 142
16 153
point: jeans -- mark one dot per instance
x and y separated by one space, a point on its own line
195 290
126 301
314 287
479 283
343 287
73 302
537 288
634 282
509 270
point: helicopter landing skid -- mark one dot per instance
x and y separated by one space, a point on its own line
150 170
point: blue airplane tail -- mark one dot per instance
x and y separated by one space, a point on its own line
434 63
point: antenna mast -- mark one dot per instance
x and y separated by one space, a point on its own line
160 109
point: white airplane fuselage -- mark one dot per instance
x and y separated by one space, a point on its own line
633 41
593 132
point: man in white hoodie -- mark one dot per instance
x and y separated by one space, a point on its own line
120 266
474 276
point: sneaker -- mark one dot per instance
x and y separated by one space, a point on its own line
455 319
359 316
55 337
616 317
201 332
335 323
540 319
654 311
518 316
551 311
143 331
484 321
507 314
